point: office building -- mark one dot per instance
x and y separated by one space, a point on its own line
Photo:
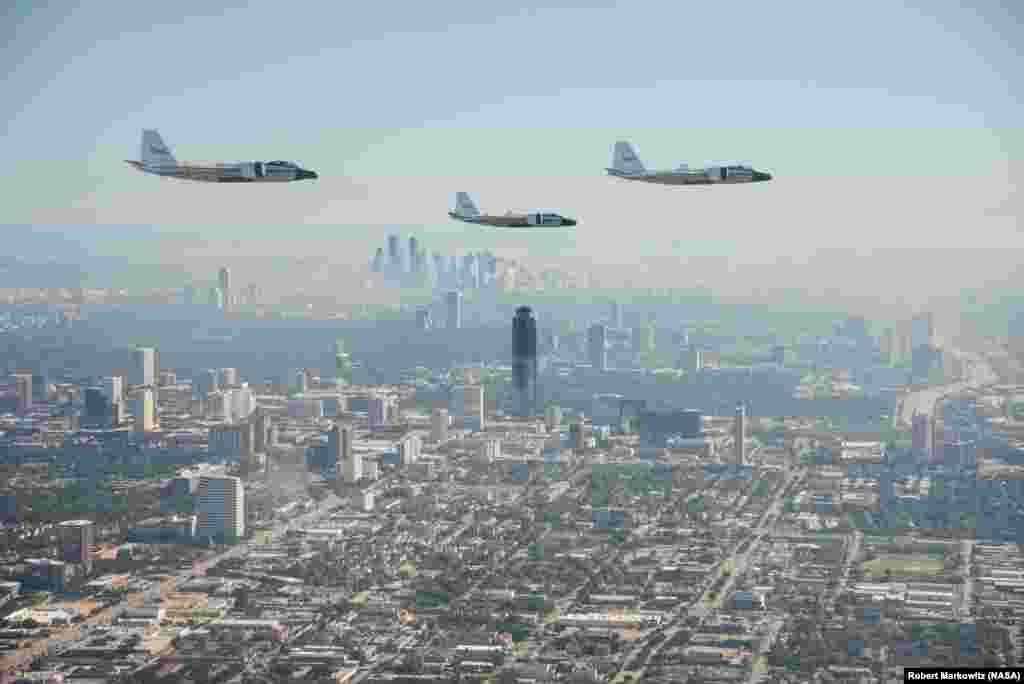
301 381
409 449
423 321
439 426
597 347
472 404
378 261
580 433
615 315
739 434
220 504
921 434
377 413
228 377
524 360
77 538
224 285
143 410
143 369
166 378
261 429
394 255
23 391
454 308
414 255
342 364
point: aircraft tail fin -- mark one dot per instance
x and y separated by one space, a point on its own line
464 205
155 151
625 160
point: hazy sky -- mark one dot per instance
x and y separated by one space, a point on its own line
885 123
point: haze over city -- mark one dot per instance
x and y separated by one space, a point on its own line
490 343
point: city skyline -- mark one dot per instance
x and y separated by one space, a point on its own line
933 152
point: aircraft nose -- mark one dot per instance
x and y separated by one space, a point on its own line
307 175
759 176
568 222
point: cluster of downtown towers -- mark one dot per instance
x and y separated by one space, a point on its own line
477 270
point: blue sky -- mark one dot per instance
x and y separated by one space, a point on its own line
399 104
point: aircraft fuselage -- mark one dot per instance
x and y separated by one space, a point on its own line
535 220
242 172
702 177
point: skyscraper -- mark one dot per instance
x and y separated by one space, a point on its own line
220 503
615 315
414 255
439 426
454 302
23 390
113 389
524 363
224 283
739 433
921 433
350 467
439 269
423 321
597 353
377 265
394 255
342 363
143 371
261 425
473 407
377 414
143 410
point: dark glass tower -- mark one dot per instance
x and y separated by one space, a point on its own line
524 363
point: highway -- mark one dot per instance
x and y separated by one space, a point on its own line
978 374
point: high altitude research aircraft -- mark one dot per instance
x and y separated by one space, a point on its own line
465 210
158 160
625 164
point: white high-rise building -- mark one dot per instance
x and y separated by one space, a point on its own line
143 367
410 449
220 503
113 389
352 469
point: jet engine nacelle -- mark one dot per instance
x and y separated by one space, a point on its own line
252 169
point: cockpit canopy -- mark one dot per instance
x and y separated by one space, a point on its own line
285 164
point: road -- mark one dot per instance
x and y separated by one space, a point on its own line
700 609
978 374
